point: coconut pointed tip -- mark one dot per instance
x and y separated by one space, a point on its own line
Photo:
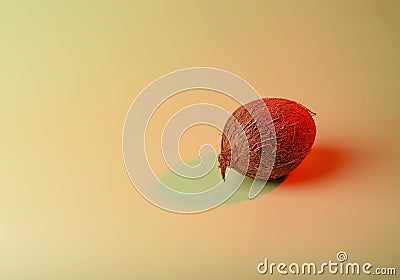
222 165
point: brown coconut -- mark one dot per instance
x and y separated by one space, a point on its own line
288 133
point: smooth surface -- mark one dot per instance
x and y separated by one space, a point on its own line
68 74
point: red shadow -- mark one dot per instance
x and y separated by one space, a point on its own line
322 162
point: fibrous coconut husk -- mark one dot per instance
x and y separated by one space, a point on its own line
288 131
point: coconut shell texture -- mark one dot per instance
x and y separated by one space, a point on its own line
292 140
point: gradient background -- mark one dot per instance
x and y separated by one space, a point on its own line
69 71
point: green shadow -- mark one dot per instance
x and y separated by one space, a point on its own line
187 184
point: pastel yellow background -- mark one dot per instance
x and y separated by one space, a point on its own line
69 71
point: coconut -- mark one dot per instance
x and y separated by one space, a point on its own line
267 146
